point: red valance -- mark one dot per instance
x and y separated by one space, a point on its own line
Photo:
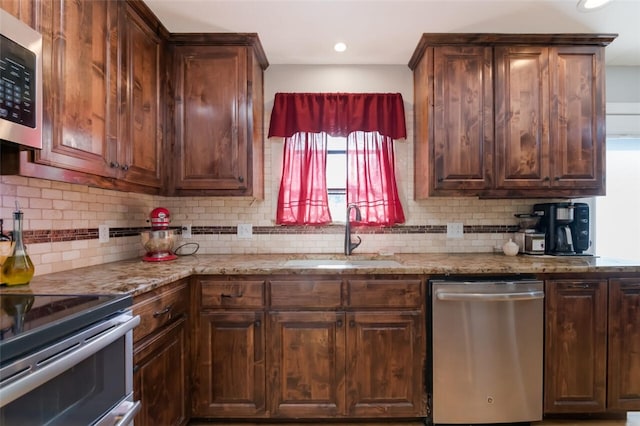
338 114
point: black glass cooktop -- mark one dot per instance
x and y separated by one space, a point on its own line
30 321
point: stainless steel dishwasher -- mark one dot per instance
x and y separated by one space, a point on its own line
487 342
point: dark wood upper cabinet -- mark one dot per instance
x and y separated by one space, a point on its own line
462 124
103 113
525 120
141 107
218 115
80 69
522 117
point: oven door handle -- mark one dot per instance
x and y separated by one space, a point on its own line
122 414
88 343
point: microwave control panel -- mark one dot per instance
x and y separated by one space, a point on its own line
17 83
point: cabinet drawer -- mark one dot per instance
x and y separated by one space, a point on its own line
159 308
306 294
385 293
230 294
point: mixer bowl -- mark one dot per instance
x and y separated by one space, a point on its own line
158 245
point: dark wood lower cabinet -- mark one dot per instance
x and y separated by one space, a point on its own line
385 364
575 346
592 346
624 345
330 348
307 364
229 380
160 377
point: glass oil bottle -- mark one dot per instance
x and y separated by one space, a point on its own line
18 268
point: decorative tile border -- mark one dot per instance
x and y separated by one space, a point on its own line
52 236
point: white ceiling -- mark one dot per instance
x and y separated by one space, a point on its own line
387 31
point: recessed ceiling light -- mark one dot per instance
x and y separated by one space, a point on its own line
588 5
340 47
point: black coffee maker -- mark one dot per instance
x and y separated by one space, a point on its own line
565 225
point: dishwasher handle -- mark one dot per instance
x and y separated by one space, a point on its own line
489 297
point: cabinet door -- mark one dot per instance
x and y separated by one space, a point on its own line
80 72
229 379
141 132
575 346
462 119
160 377
522 117
624 345
577 118
386 356
306 372
211 118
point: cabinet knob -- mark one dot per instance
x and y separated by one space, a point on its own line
440 179
240 179
114 165
339 323
547 179
125 167
258 323
557 178
352 323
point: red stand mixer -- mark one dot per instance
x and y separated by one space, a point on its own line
159 241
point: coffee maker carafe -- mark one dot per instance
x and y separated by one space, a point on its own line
566 227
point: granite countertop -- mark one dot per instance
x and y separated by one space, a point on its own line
135 276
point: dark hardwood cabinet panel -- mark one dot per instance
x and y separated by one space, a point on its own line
141 131
460 130
161 355
624 344
385 364
307 364
575 370
218 130
522 118
80 69
160 377
229 375
578 119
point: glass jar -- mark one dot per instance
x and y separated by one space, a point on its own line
17 269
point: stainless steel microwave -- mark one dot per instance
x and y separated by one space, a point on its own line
20 83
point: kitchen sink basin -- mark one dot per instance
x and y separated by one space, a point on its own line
341 264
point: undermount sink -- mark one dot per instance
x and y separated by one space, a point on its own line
341 264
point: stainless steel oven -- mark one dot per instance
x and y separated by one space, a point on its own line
66 360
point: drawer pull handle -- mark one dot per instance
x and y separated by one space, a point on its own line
231 296
162 312
580 286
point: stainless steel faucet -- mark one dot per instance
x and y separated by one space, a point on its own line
348 245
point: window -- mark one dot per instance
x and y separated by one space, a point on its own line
616 216
337 178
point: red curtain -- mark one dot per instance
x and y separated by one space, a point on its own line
370 121
371 182
303 198
338 114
